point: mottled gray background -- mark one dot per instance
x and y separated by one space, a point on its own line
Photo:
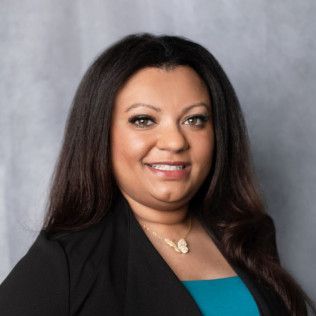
266 47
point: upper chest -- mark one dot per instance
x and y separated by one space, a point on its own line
203 261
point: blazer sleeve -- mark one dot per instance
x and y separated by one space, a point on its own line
39 283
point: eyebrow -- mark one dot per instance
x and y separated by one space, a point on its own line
186 109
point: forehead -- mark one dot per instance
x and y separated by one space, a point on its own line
178 86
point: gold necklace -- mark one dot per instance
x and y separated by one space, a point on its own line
181 246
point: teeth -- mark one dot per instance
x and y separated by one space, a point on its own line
167 167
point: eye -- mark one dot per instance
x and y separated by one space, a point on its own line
141 120
197 120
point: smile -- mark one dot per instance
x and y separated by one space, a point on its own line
167 167
170 171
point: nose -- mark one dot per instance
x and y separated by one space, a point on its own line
172 138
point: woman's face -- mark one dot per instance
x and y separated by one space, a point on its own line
162 117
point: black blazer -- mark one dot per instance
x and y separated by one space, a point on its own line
110 268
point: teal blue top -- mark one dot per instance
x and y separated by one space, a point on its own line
224 296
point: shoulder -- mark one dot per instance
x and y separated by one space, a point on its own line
60 269
56 267
39 282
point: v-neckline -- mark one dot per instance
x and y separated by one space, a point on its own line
141 248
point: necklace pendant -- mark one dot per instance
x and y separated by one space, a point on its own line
183 245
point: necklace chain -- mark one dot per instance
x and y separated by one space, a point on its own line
181 246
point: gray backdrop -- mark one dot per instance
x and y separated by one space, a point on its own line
266 47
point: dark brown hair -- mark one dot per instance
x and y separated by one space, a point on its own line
83 186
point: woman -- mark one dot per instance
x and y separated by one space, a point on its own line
153 207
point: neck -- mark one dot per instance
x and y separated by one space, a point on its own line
168 227
166 221
166 218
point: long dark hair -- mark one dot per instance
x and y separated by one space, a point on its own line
83 187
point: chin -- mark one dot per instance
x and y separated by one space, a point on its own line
171 198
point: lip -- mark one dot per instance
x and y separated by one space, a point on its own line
170 174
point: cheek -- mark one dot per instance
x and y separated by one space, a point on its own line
204 145
128 147
203 150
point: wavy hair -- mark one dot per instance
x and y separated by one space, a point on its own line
83 187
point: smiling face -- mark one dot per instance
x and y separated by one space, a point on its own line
161 117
